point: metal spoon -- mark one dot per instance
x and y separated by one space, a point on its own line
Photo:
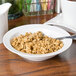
60 38
70 37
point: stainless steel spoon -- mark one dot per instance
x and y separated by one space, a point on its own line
70 37
60 38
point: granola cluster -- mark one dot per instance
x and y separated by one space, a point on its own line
36 43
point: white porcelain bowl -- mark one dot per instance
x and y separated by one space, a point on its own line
50 31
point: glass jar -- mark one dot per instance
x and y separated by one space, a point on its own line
16 8
38 7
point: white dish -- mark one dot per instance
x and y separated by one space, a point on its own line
58 20
51 31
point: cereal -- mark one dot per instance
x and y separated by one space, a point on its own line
36 43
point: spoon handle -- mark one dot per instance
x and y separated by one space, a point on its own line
72 37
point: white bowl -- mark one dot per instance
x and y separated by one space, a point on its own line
51 31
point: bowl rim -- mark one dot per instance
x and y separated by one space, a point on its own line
10 48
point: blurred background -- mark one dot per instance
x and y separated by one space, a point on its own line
32 7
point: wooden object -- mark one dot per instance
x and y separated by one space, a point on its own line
13 65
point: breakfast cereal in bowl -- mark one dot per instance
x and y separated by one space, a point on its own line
36 42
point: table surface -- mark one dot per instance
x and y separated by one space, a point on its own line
13 65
